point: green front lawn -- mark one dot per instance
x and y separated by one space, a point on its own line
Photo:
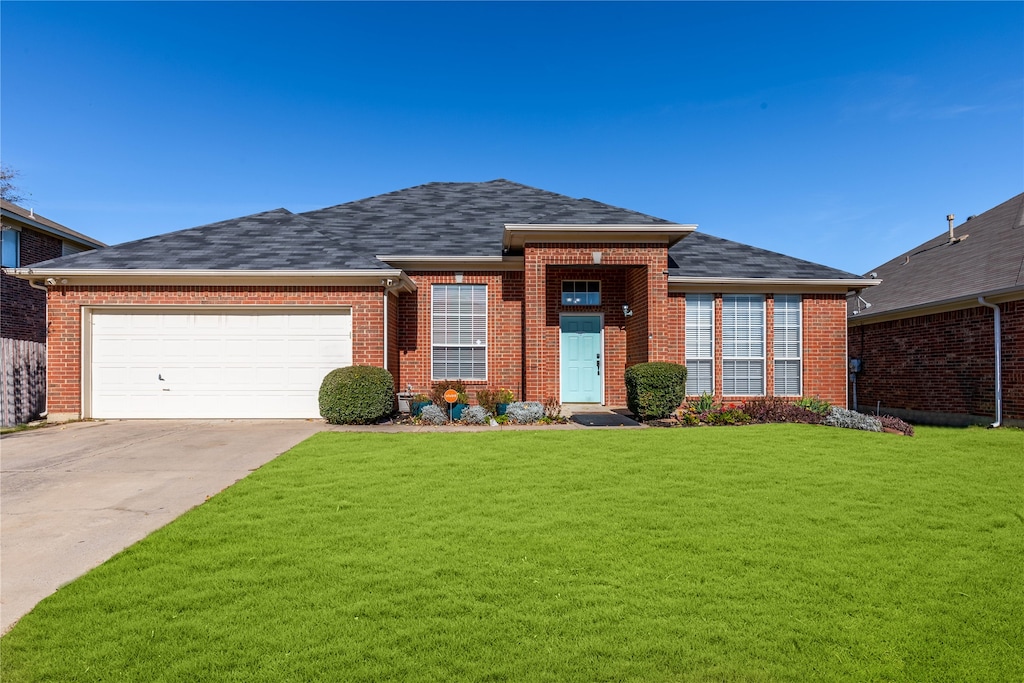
765 553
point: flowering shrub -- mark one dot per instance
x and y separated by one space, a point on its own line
524 412
707 411
850 419
728 416
504 396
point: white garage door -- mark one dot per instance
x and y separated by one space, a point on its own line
219 364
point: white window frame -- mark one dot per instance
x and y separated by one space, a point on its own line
736 335
697 357
585 291
477 322
784 331
11 247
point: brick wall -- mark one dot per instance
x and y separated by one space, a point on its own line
943 363
528 364
64 351
23 314
504 330
640 270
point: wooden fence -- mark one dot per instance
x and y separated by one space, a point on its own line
23 392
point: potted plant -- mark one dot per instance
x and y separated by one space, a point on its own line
438 391
501 400
417 403
461 404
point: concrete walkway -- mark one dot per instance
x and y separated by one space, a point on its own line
72 496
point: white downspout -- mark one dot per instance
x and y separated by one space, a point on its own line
389 287
999 362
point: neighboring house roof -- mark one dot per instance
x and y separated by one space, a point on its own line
986 258
443 221
701 255
28 217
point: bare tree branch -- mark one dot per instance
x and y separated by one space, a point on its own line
8 190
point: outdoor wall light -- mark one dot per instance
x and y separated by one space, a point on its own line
626 310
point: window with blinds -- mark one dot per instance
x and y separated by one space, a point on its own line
458 322
700 344
743 344
786 345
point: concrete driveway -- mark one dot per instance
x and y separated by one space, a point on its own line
72 496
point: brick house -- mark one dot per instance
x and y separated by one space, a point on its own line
927 344
495 283
27 239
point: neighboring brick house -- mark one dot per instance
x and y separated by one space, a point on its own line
494 283
927 345
27 239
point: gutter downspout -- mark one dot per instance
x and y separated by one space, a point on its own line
999 362
40 287
389 287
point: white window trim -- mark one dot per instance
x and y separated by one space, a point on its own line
799 358
711 358
764 348
433 346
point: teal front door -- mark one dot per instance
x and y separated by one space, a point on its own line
581 359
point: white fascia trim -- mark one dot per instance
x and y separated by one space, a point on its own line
453 262
162 276
517 234
765 284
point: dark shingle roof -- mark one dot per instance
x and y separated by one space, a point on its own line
706 256
436 219
989 259
460 219
273 240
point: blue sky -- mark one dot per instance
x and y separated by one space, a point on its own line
842 133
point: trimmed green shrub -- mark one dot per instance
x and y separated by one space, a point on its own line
655 390
360 394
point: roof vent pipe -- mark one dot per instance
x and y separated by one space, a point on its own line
999 362
950 218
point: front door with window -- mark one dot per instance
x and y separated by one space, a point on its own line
582 371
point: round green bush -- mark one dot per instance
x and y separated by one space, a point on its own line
360 394
655 390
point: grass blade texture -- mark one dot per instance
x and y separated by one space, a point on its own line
765 553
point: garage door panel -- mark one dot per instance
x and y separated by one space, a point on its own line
215 364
